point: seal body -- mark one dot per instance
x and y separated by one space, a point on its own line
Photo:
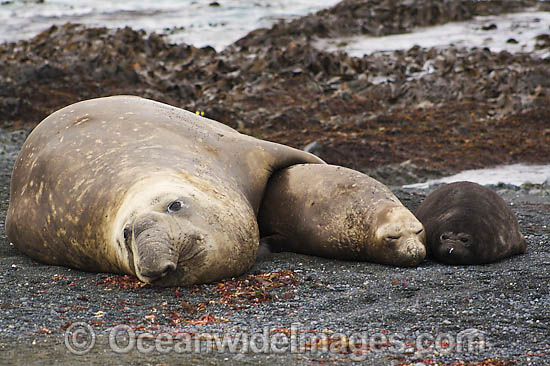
129 185
467 223
336 212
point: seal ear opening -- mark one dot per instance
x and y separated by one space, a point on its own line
127 233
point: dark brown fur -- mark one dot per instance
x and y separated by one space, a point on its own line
467 223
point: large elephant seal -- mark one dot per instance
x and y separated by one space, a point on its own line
128 185
336 212
467 223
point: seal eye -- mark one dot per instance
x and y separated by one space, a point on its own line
465 241
392 238
175 206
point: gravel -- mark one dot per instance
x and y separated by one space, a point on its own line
405 316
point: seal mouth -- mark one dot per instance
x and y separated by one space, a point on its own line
411 253
172 275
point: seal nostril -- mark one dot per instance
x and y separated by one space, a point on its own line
169 267
165 269
162 270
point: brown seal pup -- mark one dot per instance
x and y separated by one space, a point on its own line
467 223
336 212
128 185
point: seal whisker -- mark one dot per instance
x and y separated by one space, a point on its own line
183 259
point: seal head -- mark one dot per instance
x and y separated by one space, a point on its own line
400 237
467 223
171 233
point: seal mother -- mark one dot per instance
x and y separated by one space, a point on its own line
129 185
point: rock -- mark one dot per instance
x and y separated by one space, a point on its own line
507 186
402 173
488 27
542 41
275 84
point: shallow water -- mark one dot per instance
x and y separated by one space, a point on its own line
522 27
516 174
192 22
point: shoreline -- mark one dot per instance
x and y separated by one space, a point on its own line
210 23
476 109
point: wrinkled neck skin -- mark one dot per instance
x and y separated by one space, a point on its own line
400 238
206 237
